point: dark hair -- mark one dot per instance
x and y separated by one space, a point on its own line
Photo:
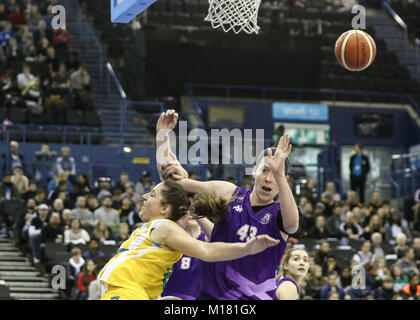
173 194
273 150
206 205
86 278
211 206
41 190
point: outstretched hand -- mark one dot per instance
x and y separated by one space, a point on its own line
260 243
275 162
167 120
174 171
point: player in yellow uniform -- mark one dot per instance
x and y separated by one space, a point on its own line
144 262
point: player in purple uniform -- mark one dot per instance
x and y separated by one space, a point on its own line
253 212
185 278
294 268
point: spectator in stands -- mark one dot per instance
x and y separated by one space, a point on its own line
87 275
58 192
55 103
33 18
25 78
76 262
34 232
104 189
416 217
316 282
117 198
373 280
412 289
17 18
61 39
3 14
6 34
123 235
62 77
398 225
106 213
352 229
44 163
92 202
145 184
383 271
76 234
102 233
58 206
82 213
331 266
125 209
364 256
124 180
374 226
134 220
13 159
331 188
400 279
131 194
375 203
319 209
24 222
20 181
308 220
345 279
93 252
377 249
81 187
318 231
321 255
331 286
32 188
42 47
8 190
67 217
52 62
14 54
351 200
416 247
32 95
29 50
310 192
333 224
72 63
40 196
407 264
401 246
53 232
66 162
386 291
329 203
80 83
359 170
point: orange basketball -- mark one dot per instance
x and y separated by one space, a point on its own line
355 50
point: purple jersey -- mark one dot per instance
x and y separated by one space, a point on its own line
252 277
185 279
280 281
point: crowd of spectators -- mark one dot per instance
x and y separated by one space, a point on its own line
379 240
38 73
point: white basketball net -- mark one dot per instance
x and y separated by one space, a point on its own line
236 15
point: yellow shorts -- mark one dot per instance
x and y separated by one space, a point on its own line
117 293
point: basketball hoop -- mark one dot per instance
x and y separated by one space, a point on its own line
236 15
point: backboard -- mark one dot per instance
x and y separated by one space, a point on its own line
123 11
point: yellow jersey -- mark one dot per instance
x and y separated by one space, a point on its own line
140 264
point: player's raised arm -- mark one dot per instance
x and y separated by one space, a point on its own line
174 237
276 163
164 156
